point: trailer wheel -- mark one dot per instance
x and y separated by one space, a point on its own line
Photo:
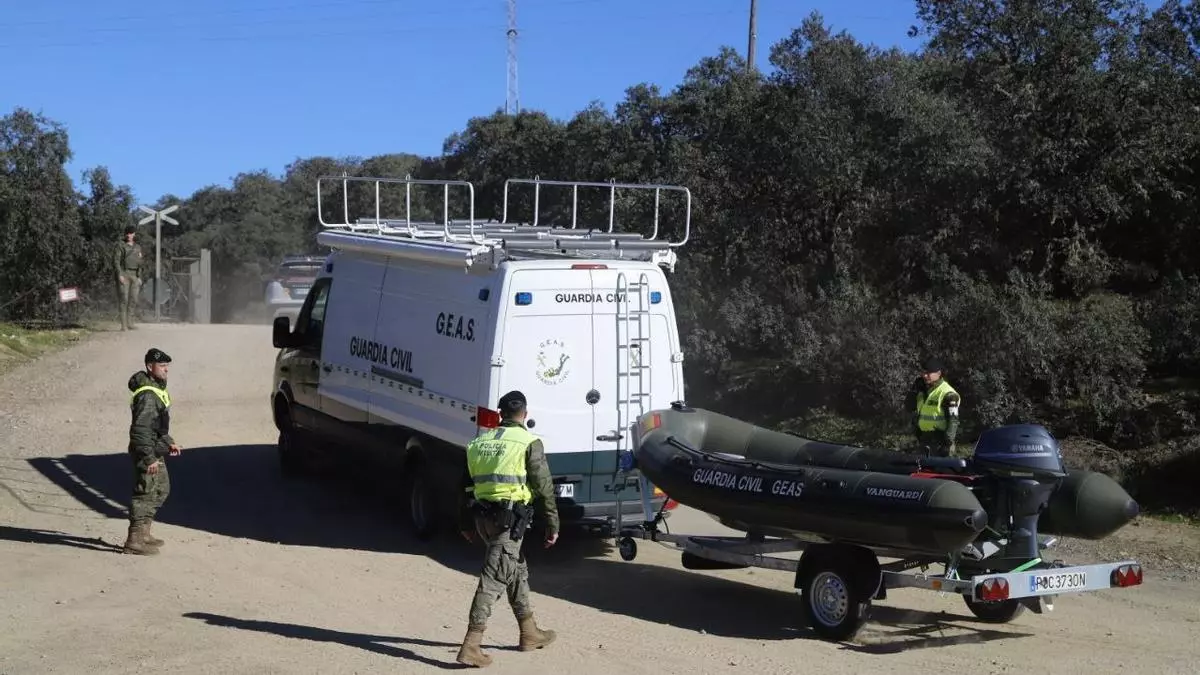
627 548
994 611
836 599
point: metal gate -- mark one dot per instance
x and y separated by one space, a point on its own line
200 276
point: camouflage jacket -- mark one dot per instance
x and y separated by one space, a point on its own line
539 479
127 259
150 423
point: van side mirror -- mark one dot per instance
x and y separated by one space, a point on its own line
281 332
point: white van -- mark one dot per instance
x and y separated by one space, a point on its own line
413 331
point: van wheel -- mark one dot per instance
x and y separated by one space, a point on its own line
292 460
422 505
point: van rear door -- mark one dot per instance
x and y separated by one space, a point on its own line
546 347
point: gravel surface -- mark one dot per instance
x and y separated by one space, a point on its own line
263 575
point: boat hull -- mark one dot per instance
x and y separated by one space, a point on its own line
888 510
781 484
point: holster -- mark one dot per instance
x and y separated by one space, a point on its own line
522 516
511 516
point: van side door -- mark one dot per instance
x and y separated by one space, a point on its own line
305 361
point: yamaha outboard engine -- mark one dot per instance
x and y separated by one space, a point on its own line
1025 466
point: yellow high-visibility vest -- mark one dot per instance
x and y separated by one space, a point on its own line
496 462
929 410
160 393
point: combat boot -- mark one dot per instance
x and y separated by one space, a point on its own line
533 637
135 542
471 652
150 539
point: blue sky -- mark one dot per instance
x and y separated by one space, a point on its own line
173 95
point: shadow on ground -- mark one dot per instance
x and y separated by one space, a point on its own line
236 491
387 645
55 538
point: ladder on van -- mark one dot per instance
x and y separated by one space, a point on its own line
634 360
470 241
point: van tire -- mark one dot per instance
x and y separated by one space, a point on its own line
420 501
292 453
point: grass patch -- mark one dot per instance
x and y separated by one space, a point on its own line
1174 518
20 345
822 425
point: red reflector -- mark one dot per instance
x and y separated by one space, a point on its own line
488 419
1126 575
589 266
992 589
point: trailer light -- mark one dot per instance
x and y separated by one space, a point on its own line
487 418
589 266
655 297
1126 575
992 590
524 298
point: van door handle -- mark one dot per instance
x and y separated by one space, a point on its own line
614 436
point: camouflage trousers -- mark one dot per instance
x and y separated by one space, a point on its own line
127 297
934 442
150 491
504 571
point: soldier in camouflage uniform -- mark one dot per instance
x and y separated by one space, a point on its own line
127 261
506 472
150 443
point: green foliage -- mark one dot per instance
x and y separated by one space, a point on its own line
1019 197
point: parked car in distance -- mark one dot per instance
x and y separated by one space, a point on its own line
290 285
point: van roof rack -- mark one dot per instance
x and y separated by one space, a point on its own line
472 242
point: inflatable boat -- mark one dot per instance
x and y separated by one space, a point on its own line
780 484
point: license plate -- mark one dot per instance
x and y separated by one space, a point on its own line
300 290
566 490
1052 583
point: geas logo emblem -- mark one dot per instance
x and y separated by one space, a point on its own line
552 358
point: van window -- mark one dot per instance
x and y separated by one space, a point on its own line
311 321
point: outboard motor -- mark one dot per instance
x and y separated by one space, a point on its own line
1024 464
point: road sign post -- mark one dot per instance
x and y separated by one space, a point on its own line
158 217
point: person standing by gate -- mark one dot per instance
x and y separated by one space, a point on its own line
127 259
506 470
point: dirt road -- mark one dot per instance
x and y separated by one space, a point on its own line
261 575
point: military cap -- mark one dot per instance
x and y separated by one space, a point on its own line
932 364
156 355
512 402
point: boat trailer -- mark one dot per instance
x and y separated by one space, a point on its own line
838 581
